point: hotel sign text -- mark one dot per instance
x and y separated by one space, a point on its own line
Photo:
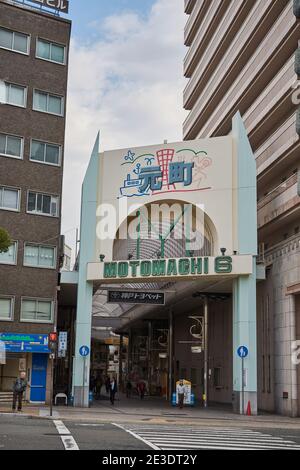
61 5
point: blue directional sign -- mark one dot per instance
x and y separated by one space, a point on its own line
243 352
84 351
18 342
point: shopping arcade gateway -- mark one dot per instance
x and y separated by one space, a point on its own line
225 185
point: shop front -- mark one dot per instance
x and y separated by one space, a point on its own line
26 353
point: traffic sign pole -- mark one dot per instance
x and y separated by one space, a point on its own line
243 387
83 380
84 351
243 353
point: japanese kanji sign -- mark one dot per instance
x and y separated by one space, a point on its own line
166 171
130 297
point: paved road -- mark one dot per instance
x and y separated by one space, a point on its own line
181 438
23 433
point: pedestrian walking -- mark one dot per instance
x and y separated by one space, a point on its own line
128 389
98 386
113 390
19 388
107 385
142 389
181 390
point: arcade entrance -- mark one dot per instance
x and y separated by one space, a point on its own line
182 342
177 220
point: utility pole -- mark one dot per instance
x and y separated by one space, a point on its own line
205 395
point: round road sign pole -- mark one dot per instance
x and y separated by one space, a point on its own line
84 351
243 387
83 380
243 353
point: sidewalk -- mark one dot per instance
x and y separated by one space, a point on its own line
156 410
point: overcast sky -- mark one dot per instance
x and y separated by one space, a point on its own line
125 79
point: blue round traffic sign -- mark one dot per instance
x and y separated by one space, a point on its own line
243 352
84 351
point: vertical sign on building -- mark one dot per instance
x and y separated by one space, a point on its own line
62 343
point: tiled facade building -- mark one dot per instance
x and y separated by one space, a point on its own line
34 47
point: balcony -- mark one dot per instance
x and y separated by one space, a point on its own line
245 60
282 145
279 202
194 21
282 248
210 23
216 49
189 6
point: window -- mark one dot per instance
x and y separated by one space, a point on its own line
15 95
42 204
9 198
6 308
10 257
47 103
40 256
11 146
50 51
14 41
45 153
34 310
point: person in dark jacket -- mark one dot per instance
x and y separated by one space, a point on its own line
113 390
128 389
142 389
19 388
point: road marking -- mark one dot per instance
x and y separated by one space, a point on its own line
136 436
90 425
61 428
69 443
171 438
65 435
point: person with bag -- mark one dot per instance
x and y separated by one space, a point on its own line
19 388
181 390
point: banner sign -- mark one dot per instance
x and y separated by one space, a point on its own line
59 5
172 268
126 297
15 342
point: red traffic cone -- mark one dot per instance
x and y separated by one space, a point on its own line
249 409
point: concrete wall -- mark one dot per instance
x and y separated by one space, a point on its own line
277 329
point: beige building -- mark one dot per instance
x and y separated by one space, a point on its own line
241 56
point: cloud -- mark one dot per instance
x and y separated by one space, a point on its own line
128 84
